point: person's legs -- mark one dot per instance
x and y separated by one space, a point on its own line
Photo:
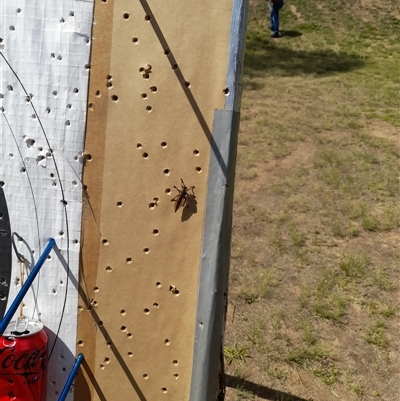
275 18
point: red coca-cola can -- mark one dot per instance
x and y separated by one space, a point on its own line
23 361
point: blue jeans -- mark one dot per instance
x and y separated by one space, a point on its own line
275 17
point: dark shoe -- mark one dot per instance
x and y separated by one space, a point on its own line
275 35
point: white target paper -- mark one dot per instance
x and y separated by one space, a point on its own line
45 51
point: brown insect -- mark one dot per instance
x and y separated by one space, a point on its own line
181 198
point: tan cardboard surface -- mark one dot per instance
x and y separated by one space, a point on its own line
150 120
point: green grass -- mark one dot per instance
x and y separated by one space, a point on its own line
315 254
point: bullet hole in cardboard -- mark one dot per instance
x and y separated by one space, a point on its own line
167 52
109 85
62 20
114 97
69 106
108 77
88 157
104 1
168 191
12 28
129 335
107 360
146 311
198 169
147 17
68 123
164 390
59 57
54 291
144 96
61 233
10 88
158 284
64 202
52 55
123 328
88 66
145 155
146 76
96 289
71 13
128 260
146 250
48 110
33 116
166 171
196 152
119 204
149 109
126 16
80 343
98 94
109 344
102 367
2 183
91 106
173 290
175 362
139 146
122 312
130 354
105 242
155 306
167 342
174 66
175 376
87 40
108 269
153 89
163 145
152 205
187 84
18 10
100 323
145 375
135 40
54 93
155 232
225 91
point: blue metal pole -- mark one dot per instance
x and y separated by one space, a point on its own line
20 296
71 378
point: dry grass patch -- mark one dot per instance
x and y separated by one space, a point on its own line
315 251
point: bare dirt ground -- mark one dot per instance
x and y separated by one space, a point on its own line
314 284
